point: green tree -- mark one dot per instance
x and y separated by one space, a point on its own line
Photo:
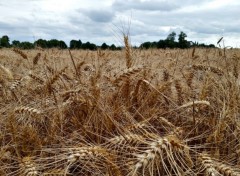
26 45
161 44
171 36
181 37
4 41
154 45
85 45
113 47
53 43
89 46
62 44
74 44
16 43
146 45
41 43
92 46
170 40
211 46
104 46
182 42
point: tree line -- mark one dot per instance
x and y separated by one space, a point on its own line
169 42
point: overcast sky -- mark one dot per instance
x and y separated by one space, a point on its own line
101 21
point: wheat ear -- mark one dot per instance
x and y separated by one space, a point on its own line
165 149
21 53
36 78
7 72
212 69
36 59
126 74
27 110
213 167
127 51
179 92
83 154
29 167
196 102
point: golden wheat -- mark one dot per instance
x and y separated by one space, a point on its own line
130 112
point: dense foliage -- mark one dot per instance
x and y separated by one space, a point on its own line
169 42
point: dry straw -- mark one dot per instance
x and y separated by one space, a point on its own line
153 118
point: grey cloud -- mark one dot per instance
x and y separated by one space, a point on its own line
102 16
148 29
205 21
5 26
144 5
204 28
16 27
19 32
153 5
86 26
152 20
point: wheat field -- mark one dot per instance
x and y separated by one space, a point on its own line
120 113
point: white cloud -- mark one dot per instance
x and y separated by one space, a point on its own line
94 21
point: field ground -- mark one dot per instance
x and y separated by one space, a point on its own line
129 112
